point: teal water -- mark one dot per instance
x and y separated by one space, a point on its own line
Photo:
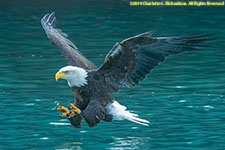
184 98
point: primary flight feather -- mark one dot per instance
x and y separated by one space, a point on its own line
128 63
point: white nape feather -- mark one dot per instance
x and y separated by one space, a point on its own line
75 76
120 112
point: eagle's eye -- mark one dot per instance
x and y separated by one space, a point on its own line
65 72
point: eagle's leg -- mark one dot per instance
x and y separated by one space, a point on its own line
74 116
65 111
75 110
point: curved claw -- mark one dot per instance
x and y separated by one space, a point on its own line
72 114
65 111
74 109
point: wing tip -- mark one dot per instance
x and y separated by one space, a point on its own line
199 39
49 20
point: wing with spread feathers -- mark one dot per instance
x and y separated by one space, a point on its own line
130 61
67 48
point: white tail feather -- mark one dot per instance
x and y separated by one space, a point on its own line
120 112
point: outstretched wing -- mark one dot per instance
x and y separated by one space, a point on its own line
67 48
131 60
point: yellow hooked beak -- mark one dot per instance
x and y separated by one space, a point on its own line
59 75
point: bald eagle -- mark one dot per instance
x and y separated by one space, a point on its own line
128 63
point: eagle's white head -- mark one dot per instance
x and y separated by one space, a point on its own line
75 76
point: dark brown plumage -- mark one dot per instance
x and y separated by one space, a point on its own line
128 63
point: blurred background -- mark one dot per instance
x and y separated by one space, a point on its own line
183 98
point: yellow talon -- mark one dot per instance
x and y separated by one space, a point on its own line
72 114
74 109
64 114
65 111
